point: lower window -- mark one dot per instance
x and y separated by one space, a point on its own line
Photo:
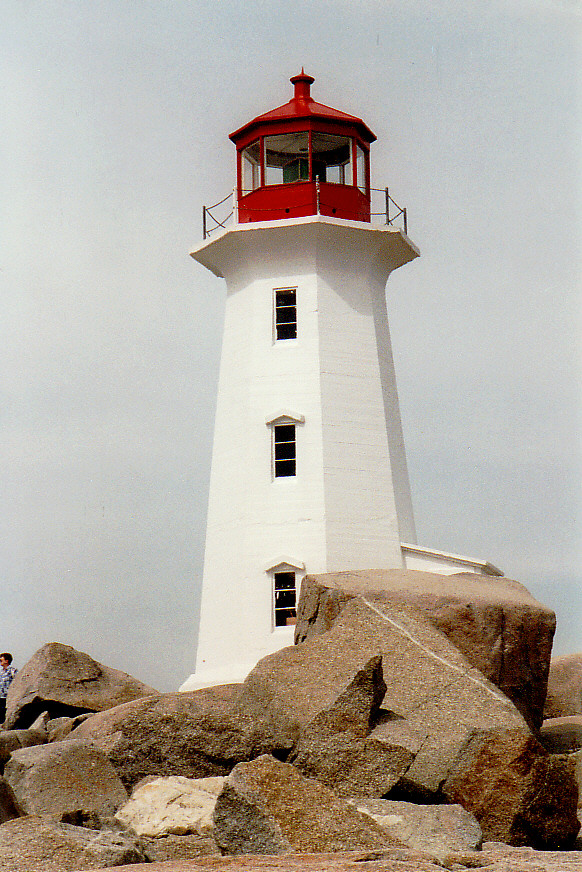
285 597
284 450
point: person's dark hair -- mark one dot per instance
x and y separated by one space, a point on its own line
7 656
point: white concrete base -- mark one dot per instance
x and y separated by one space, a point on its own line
235 671
231 673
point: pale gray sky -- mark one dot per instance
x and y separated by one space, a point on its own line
115 122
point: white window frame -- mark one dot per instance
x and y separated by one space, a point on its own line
361 182
283 417
289 455
250 168
292 618
284 564
276 338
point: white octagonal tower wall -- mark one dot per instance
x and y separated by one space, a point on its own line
367 490
348 505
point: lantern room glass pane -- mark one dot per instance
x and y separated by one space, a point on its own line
287 158
361 168
251 167
332 158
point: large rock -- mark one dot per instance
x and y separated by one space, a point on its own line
12 740
42 844
519 795
172 806
62 681
577 760
196 735
162 849
351 766
336 746
495 622
63 777
564 697
59 728
438 830
208 731
501 858
268 807
448 704
429 683
8 806
562 735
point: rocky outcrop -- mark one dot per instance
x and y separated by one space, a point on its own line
496 623
429 683
381 704
267 807
63 777
196 735
172 806
438 830
42 844
564 696
62 681
495 857
451 707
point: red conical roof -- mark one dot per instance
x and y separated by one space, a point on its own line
302 105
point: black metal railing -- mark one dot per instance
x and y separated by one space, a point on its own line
208 216
392 214
389 206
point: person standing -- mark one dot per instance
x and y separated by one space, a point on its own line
7 673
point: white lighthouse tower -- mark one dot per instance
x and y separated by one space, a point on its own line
308 467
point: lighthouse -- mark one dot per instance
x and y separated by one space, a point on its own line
309 470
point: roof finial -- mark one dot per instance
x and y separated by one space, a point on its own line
302 84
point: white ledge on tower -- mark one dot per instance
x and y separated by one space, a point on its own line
430 560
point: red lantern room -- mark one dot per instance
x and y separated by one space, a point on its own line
303 158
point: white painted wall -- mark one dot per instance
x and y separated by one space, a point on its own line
349 504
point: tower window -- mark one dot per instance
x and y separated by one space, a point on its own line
251 168
285 596
332 158
286 313
361 168
284 450
287 158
